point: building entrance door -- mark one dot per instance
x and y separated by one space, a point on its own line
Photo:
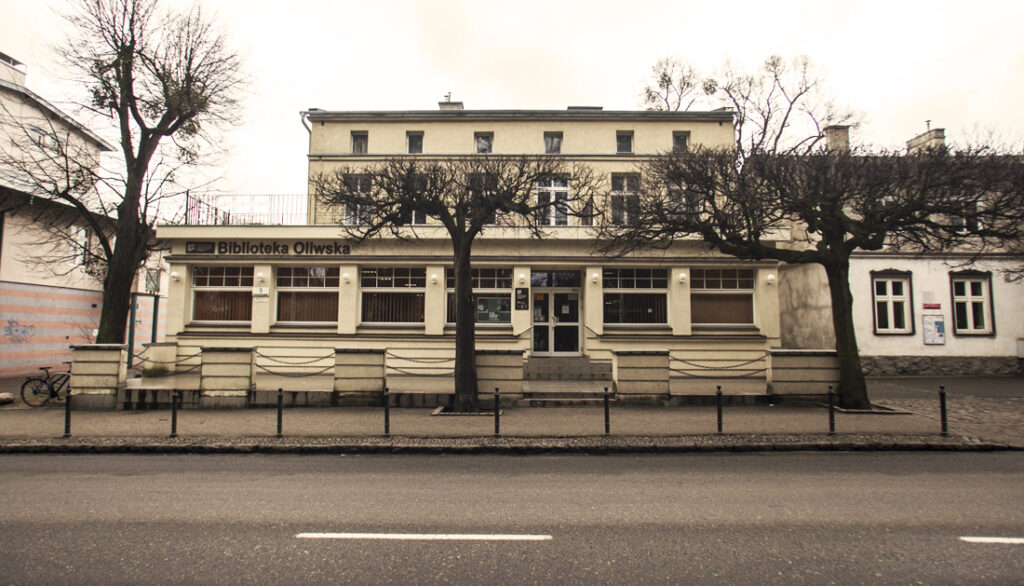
556 321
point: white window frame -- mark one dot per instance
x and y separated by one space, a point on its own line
331 273
354 216
887 303
405 288
615 286
504 292
552 143
246 276
489 137
552 198
363 137
619 135
970 299
408 142
698 289
628 195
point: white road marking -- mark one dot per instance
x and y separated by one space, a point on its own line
425 536
1004 540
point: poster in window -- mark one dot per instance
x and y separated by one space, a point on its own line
934 329
522 298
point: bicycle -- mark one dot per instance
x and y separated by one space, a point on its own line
37 391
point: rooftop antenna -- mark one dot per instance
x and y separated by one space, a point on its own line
928 125
448 97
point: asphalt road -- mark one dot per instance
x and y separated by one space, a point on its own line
727 518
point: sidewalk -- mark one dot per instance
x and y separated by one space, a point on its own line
979 419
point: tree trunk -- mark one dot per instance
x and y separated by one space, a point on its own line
853 391
122 267
465 329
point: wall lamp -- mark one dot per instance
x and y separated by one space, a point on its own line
175 276
345 277
259 277
433 279
522 278
770 279
682 278
595 278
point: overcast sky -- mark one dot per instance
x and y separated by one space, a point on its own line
958 64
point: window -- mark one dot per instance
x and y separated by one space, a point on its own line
414 141
635 296
555 279
625 201
624 141
44 138
152 280
482 186
552 143
307 294
680 141
358 185
484 141
80 239
972 303
552 194
892 303
395 296
222 293
492 295
360 140
722 296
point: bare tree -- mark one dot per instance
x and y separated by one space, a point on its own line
831 203
165 81
675 85
781 107
466 196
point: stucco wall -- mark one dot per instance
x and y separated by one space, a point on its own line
805 310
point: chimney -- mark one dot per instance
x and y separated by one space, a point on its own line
931 139
448 105
12 70
837 138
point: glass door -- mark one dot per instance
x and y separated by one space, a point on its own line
556 322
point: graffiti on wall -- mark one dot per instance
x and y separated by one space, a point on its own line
18 333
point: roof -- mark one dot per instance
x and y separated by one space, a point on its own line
316 114
47 106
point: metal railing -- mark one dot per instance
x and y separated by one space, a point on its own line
245 210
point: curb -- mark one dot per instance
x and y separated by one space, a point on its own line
596 445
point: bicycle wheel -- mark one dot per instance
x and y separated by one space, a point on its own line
35 392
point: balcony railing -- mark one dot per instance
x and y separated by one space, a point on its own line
245 210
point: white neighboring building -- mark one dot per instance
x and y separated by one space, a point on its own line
915 314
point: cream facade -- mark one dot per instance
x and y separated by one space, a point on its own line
302 291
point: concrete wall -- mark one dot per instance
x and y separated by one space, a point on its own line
805 309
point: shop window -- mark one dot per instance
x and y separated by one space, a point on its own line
393 294
972 303
569 279
492 295
893 310
552 195
722 296
222 293
307 294
635 296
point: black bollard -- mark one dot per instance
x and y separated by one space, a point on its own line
497 412
607 414
718 401
387 412
831 411
174 413
280 410
942 410
67 413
